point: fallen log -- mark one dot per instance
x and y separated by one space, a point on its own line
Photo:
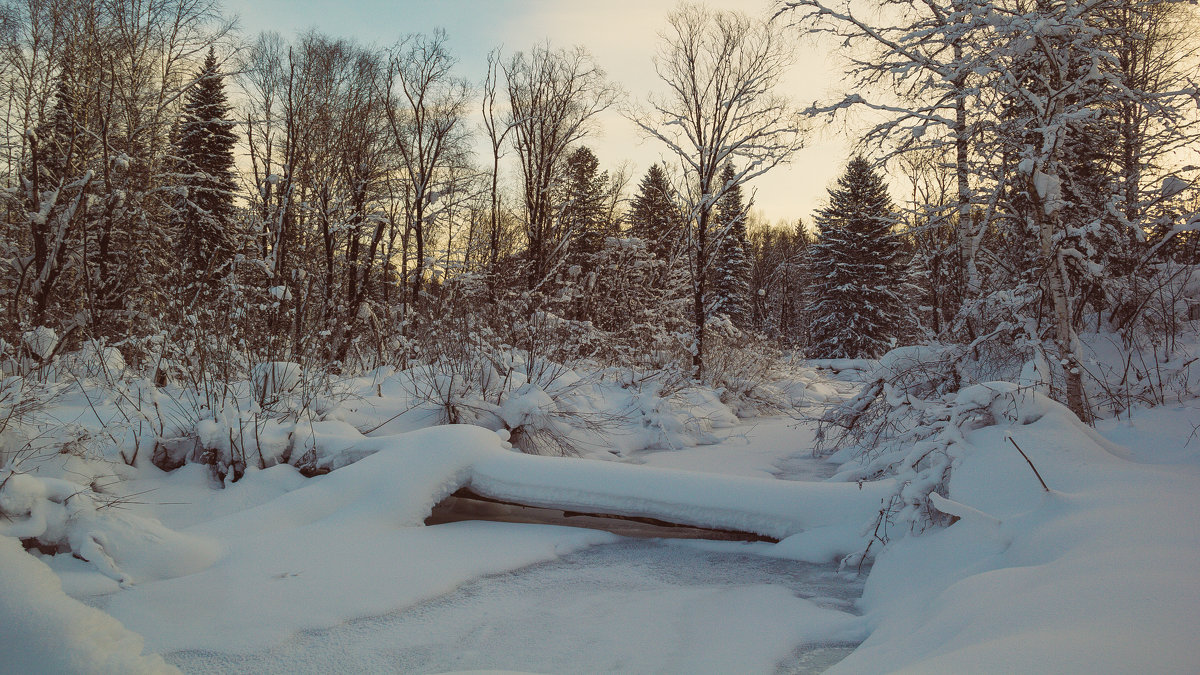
465 504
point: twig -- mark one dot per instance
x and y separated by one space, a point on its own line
1035 471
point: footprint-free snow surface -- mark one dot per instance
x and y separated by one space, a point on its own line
633 606
337 574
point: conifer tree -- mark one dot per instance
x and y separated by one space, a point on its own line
581 210
54 182
205 168
730 285
61 142
653 217
859 288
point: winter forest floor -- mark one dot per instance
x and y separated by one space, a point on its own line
620 605
281 573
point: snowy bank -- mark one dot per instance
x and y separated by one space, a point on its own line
1096 576
47 632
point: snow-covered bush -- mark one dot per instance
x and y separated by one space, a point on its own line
55 515
96 360
267 420
745 370
274 381
40 342
909 422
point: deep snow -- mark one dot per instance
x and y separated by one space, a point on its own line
1097 575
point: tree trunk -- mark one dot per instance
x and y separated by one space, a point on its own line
1064 335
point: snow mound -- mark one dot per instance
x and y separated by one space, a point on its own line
47 632
59 514
1096 575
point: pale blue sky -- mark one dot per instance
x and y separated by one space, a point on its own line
621 34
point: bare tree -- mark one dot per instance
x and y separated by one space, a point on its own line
911 67
497 132
96 87
426 106
553 96
720 70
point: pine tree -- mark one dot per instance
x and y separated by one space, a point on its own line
859 290
731 265
581 211
653 217
205 168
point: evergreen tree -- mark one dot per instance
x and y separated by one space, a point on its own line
581 211
60 138
731 265
859 288
53 182
653 217
205 167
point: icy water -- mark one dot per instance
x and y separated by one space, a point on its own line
640 606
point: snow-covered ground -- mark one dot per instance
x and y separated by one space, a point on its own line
1099 575
629 606
278 572
317 560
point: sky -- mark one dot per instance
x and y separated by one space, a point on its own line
622 35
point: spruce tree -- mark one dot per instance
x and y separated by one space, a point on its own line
653 217
731 265
53 180
859 292
205 169
581 211
61 142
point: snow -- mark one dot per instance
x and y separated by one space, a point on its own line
125 547
45 631
275 378
1096 576
839 365
279 572
627 606
528 405
41 341
375 508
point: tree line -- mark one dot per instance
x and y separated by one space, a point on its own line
205 202
194 197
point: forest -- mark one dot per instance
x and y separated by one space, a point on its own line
237 252
205 201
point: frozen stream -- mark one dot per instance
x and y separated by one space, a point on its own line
641 606
636 605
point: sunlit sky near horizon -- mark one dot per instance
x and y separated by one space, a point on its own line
622 35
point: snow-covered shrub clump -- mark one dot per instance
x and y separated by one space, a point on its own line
96 361
40 342
58 516
746 372
10 398
275 380
279 415
910 421
530 412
